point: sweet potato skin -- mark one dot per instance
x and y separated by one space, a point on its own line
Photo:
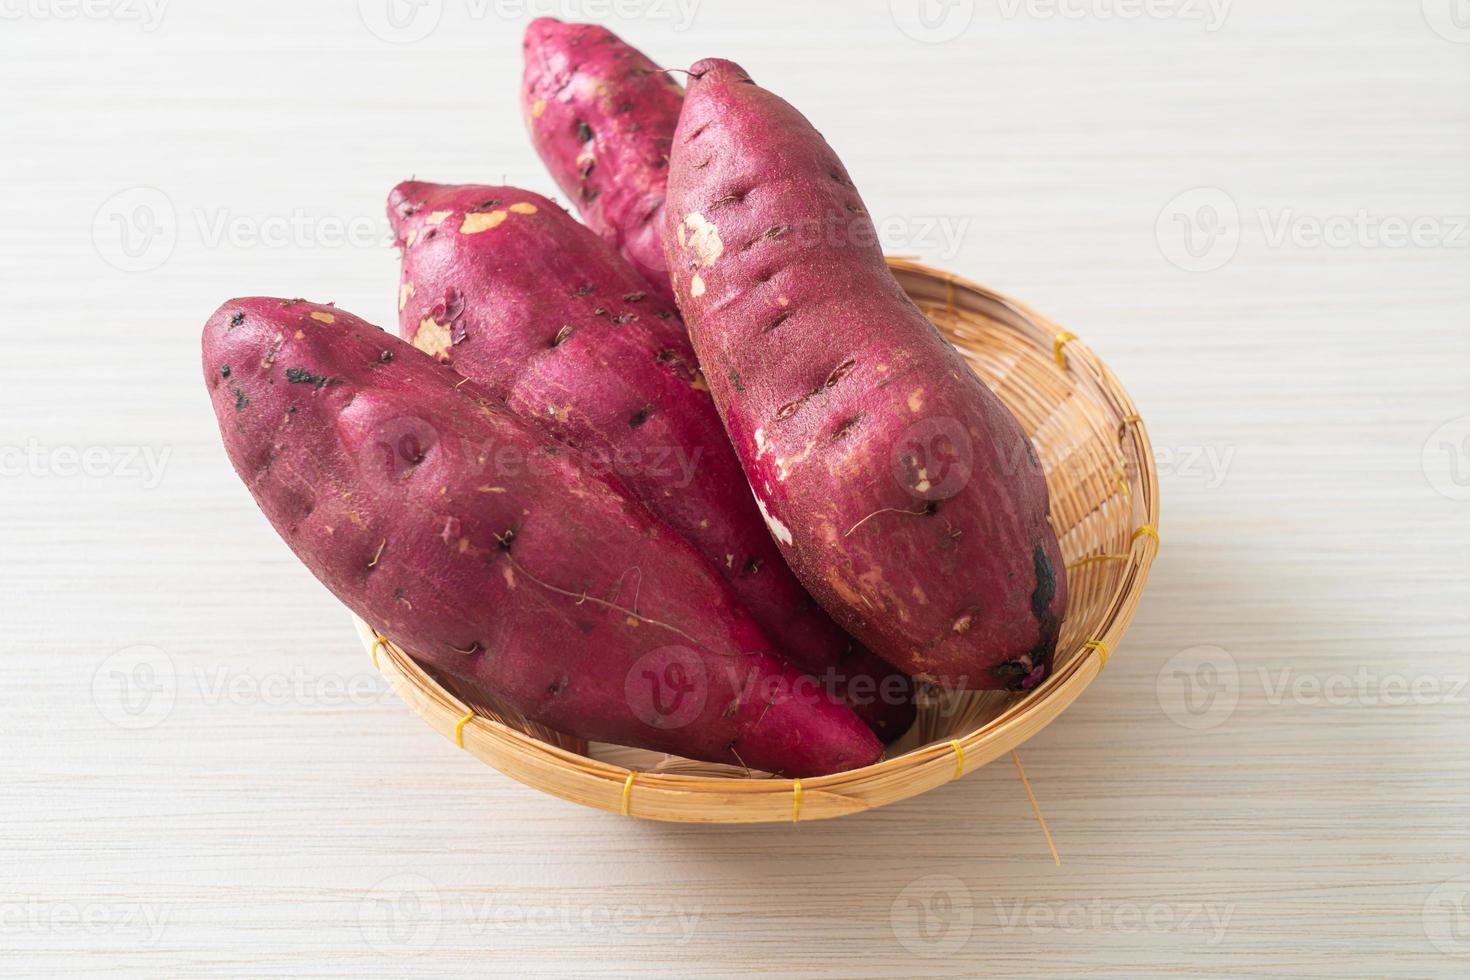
905 495
601 115
492 552
510 290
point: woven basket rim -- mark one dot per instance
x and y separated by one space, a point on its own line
719 799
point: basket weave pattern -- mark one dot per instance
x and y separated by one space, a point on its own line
1104 505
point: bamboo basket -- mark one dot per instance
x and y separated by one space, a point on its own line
1104 504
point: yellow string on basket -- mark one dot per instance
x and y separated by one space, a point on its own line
1094 558
1146 529
628 791
959 758
795 800
1056 858
459 729
1102 652
1060 342
379 640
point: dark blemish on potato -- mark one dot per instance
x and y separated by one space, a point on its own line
734 377
386 356
623 318
240 400
224 371
855 209
590 194
1031 669
728 199
696 134
599 311
562 335
839 372
237 319
487 204
846 425
633 297
640 416
780 319
301 376
432 232
583 290
505 540
665 315
660 163
1011 674
753 566
584 131
663 357
1046 585
770 234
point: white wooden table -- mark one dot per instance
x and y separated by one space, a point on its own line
1255 211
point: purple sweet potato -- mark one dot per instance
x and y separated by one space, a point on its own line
495 553
601 115
905 496
511 291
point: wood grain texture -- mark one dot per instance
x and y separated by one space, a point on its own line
285 815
